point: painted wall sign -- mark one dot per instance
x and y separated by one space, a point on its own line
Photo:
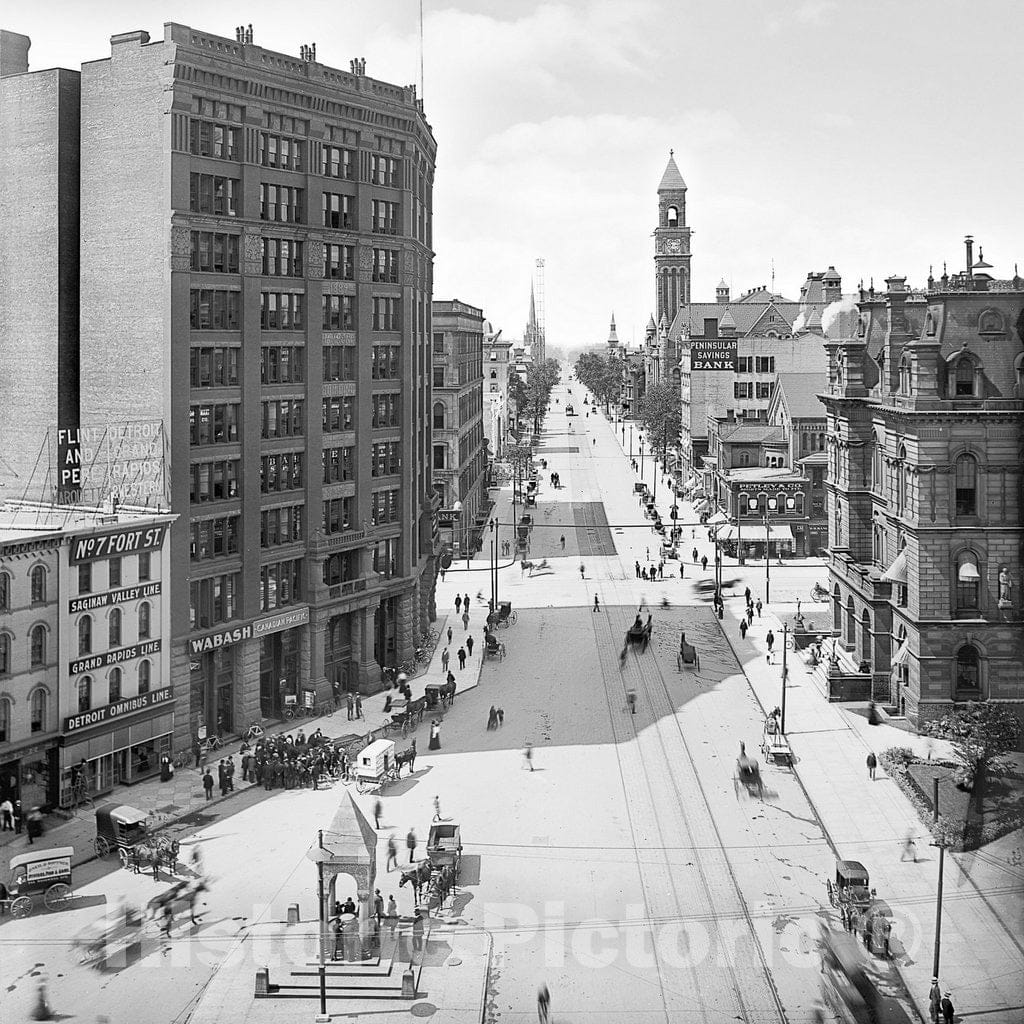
261 627
89 547
713 354
97 661
91 601
110 712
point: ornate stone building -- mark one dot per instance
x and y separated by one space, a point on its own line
925 406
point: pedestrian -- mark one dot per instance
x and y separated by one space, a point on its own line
445 658
643 573
417 930
449 635
758 606
750 615
462 658
647 556
501 717
582 571
349 705
743 629
458 603
561 540
392 852
410 843
378 810
746 595
638 568
934 1001
359 705
437 808
528 755
7 816
492 719
770 640
443 571
909 847
886 937
392 915
469 646
222 777
947 1008
208 784
543 1004
378 906
450 678
631 701
704 563
230 769
681 568
597 604
872 764
465 621
435 735
695 556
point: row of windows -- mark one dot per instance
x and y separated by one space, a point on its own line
384 507
385 266
339 262
780 504
341 568
338 210
339 514
214 538
280 584
38 704
280 151
214 194
752 389
339 312
221 141
280 526
281 257
282 204
114 628
386 362
386 410
755 364
214 252
281 311
213 367
282 364
37 588
338 413
217 309
213 424
212 600
214 309
37 643
281 471
386 458
215 481
385 557
339 464
114 574
339 362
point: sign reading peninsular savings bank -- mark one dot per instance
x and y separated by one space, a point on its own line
713 354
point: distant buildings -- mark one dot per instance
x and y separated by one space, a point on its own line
497 356
925 407
459 458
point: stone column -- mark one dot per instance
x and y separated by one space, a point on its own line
404 626
368 671
247 684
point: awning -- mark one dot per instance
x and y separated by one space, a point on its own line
700 506
897 572
902 655
690 484
727 532
967 573
717 519
756 533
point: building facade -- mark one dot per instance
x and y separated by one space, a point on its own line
39 204
459 454
671 245
279 225
85 681
925 406
497 355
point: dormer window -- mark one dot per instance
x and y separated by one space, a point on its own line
905 387
963 386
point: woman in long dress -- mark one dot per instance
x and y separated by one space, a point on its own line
435 735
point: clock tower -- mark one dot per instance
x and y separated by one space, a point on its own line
671 244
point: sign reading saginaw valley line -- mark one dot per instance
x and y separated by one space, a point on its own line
90 546
85 604
109 712
713 354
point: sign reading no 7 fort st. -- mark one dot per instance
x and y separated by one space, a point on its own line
109 545
713 354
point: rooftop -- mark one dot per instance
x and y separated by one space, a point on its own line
801 391
768 473
32 520
750 433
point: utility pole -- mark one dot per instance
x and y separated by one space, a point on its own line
785 672
323 928
767 560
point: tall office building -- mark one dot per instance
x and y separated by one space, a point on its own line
258 276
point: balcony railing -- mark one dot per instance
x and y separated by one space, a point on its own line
348 587
324 545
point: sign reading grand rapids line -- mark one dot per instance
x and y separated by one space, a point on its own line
713 354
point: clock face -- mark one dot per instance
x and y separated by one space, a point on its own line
674 245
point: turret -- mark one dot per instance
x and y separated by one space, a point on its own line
722 292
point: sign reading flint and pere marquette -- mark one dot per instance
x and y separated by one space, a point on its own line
713 354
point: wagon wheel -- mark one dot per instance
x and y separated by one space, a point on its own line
102 846
831 892
125 857
21 907
361 785
513 617
57 895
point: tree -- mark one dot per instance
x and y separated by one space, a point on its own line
660 413
602 376
979 732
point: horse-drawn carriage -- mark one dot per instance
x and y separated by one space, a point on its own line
851 888
444 846
439 695
687 655
124 829
406 716
748 774
45 873
493 647
375 766
774 744
639 633
506 616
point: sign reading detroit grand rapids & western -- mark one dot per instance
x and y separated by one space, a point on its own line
713 354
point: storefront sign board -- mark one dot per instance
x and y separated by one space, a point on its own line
89 547
91 601
118 710
261 627
713 354
97 661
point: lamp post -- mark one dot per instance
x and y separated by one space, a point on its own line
630 440
772 506
641 458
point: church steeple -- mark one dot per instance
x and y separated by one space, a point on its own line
671 244
613 338
532 322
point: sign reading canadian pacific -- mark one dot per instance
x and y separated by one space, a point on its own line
713 354
109 712
89 547
271 624
85 604
96 661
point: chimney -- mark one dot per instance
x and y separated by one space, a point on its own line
969 246
14 49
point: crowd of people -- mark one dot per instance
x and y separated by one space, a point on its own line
284 761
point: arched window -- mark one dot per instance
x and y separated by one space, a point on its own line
114 685
39 585
877 478
5 720
851 622
968 582
37 646
672 216
968 672
901 480
966 484
744 458
5 654
865 636
114 628
145 673
144 620
837 609
5 592
805 442
37 707
85 635
905 388
439 415
963 386
494 374
84 694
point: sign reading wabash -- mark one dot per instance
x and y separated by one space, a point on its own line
713 354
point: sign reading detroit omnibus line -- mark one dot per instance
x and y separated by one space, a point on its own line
713 354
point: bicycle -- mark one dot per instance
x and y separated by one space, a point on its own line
210 743
254 732
819 593
182 759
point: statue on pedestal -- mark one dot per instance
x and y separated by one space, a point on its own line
1005 599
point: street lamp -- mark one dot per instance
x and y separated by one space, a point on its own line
641 458
630 440
772 506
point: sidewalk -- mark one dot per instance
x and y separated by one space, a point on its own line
982 961
165 802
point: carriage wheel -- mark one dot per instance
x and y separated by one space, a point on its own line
361 786
831 891
102 846
513 617
125 858
21 907
57 895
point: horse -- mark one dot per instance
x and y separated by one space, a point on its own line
748 772
407 756
443 882
418 875
447 694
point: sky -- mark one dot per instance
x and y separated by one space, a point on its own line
870 136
